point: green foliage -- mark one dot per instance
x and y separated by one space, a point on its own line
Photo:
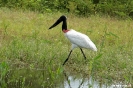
120 8
95 1
3 73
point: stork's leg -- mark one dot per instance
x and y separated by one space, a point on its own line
83 53
67 57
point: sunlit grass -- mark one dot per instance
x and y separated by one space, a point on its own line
26 42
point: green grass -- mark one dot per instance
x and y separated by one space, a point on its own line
26 43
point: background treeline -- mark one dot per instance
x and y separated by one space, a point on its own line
121 8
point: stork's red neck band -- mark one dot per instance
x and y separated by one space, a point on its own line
65 31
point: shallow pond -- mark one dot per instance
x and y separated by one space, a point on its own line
39 78
72 82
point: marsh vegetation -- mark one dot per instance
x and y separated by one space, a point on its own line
31 56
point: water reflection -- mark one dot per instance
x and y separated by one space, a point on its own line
34 78
71 81
79 82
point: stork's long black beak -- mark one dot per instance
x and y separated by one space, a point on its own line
62 18
56 23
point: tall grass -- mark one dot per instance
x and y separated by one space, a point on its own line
26 42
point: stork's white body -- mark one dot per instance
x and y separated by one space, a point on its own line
80 40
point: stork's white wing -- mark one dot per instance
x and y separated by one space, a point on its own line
80 39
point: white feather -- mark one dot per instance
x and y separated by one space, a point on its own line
80 40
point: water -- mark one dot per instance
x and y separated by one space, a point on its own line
71 82
80 83
33 78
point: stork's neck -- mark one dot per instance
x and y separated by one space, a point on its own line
64 24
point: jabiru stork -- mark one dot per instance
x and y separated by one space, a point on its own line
76 38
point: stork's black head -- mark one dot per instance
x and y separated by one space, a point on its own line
64 25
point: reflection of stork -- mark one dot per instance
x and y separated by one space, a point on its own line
68 81
76 82
76 38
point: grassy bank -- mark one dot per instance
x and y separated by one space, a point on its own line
26 42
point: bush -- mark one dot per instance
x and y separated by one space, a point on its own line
80 7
